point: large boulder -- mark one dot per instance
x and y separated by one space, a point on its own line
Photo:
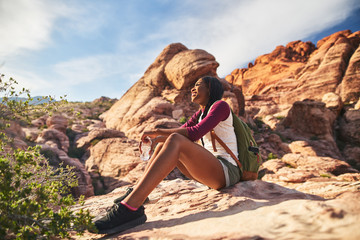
57 122
165 87
186 67
184 209
57 157
54 138
110 160
154 75
310 118
300 71
85 140
350 85
120 115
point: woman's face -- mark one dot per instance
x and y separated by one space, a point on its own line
200 93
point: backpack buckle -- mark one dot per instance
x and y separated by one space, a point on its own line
255 150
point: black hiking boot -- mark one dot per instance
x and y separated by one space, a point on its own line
119 218
128 191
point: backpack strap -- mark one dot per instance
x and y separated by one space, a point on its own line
227 149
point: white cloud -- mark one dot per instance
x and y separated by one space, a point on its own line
238 31
234 31
96 68
28 80
24 25
28 25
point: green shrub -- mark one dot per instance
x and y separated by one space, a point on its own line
326 175
183 120
35 199
271 156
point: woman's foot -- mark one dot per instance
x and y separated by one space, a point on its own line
128 191
119 218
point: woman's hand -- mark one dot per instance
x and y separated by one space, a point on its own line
149 136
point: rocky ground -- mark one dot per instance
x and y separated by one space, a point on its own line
302 103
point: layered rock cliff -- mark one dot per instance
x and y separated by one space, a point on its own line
302 103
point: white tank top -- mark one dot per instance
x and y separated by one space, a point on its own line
225 131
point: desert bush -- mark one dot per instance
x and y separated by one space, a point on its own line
35 199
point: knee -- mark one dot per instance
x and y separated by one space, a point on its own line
159 145
175 139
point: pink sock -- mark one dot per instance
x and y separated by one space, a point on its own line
128 206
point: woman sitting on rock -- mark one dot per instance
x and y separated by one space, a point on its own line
177 148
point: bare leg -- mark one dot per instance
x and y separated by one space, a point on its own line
179 165
197 161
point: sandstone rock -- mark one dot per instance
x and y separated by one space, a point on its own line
349 177
103 100
57 122
177 113
349 127
176 96
350 85
271 121
282 63
273 165
79 128
96 124
154 75
329 189
18 143
31 133
310 118
300 168
325 69
54 138
333 102
272 144
41 121
302 147
184 209
232 100
319 164
156 106
97 133
112 159
185 68
352 155
357 105
84 180
285 76
120 115
352 115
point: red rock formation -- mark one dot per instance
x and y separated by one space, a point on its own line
164 88
181 209
85 186
110 160
300 71
57 122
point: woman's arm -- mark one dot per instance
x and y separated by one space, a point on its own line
160 135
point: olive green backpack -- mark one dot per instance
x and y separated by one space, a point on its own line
249 158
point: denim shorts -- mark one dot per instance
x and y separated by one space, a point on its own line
232 172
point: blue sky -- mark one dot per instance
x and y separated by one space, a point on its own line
86 49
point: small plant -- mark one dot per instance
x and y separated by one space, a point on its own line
94 142
183 120
271 156
325 175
